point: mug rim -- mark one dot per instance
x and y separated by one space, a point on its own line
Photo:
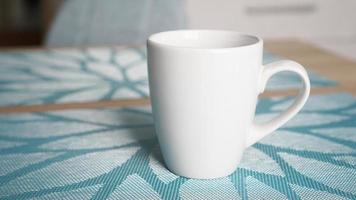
154 39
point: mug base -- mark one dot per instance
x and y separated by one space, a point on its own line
200 176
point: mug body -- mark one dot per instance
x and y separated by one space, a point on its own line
203 88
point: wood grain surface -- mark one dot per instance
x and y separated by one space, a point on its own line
334 67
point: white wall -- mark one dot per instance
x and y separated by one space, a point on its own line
328 23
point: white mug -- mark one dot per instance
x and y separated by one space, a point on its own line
204 86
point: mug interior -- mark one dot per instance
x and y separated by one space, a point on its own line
203 39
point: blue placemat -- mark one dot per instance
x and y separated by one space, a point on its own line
82 75
113 154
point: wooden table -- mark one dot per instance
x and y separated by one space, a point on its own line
325 63
334 67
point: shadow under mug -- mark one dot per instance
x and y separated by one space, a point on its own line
204 87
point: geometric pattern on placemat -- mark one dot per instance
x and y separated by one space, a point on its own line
84 75
109 155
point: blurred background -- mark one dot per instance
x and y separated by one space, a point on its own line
330 24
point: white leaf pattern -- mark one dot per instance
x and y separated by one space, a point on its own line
126 57
102 54
124 92
94 94
50 60
65 76
318 155
298 141
351 111
308 193
332 175
104 139
334 101
41 130
255 160
13 162
343 133
69 171
23 117
348 159
138 72
221 188
8 144
304 119
254 188
40 87
85 193
107 70
24 98
134 187
107 116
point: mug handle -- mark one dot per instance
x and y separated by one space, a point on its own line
258 131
